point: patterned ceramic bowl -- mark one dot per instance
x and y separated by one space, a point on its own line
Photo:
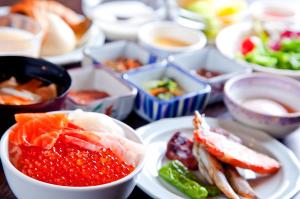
152 108
121 95
98 55
283 90
210 59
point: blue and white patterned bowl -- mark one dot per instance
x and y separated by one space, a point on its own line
121 100
97 55
280 89
151 108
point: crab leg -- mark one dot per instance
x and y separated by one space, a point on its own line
202 169
238 183
216 172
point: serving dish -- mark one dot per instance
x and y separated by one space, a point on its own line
29 188
99 55
281 90
122 19
210 59
151 108
121 97
24 69
228 43
283 185
190 39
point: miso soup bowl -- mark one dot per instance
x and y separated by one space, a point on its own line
25 69
25 187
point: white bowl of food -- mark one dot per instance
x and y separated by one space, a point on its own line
270 10
165 38
90 156
99 90
238 42
264 101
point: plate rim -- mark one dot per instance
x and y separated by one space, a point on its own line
294 160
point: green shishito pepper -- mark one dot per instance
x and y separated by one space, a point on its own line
179 167
185 185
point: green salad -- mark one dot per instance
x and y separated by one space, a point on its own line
262 49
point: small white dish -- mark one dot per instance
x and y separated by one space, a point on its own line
121 98
281 90
165 29
282 185
28 188
210 59
120 19
228 43
275 10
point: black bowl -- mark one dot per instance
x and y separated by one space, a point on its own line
24 69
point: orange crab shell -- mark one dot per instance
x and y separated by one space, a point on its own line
236 154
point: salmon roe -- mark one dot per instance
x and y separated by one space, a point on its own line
70 165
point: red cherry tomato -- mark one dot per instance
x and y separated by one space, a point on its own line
247 46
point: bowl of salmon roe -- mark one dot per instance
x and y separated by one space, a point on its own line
71 155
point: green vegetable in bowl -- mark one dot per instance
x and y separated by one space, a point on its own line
164 89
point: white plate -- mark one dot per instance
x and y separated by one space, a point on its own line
95 38
284 184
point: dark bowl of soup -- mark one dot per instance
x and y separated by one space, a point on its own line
30 85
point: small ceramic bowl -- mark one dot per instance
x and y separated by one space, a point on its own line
97 55
263 86
228 43
24 69
279 11
212 60
121 95
28 188
170 30
151 108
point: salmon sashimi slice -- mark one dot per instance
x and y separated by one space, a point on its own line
127 150
37 129
231 152
13 100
